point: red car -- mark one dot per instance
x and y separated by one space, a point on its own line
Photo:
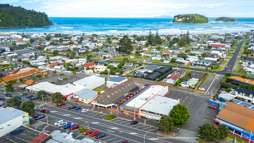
44 110
88 132
124 141
74 127
94 133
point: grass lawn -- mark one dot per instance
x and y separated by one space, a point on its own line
109 117
231 138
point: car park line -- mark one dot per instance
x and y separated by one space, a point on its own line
129 128
122 137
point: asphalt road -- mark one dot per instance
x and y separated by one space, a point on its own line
230 65
94 120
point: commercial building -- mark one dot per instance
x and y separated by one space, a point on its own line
151 103
239 119
85 95
65 90
157 107
12 119
115 80
139 101
90 82
23 73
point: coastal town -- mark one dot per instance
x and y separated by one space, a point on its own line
151 88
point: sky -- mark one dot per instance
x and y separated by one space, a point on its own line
137 8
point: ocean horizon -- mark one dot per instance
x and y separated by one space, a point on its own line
134 26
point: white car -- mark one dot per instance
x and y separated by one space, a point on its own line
84 110
59 123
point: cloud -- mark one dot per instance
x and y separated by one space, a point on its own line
137 8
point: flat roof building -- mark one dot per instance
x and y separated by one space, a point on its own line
157 107
90 82
12 119
65 90
140 100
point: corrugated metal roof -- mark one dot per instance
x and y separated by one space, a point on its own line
238 115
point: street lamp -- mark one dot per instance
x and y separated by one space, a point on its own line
145 137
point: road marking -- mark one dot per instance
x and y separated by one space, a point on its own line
66 115
114 128
133 133
78 118
95 122
153 139
54 111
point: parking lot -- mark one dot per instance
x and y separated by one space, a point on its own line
23 135
118 129
197 106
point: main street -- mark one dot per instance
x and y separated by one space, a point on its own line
125 131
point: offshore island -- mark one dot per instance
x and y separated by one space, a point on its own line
17 17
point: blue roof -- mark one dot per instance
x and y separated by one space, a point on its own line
117 78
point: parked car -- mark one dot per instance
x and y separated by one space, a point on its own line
44 110
59 123
124 141
88 132
39 116
134 122
94 133
74 126
100 135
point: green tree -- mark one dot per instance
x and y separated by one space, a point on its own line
8 87
14 102
166 124
125 45
42 95
223 132
57 98
28 106
210 132
55 53
179 115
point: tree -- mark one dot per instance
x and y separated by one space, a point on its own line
223 132
210 132
28 106
57 98
179 115
13 102
165 124
125 45
41 94
8 87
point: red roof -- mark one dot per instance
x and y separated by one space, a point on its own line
89 65
217 45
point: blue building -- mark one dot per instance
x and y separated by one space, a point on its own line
239 119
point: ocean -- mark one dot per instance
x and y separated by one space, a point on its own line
136 26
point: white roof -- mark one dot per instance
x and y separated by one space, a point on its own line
86 94
146 95
160 105
48 87
9 113
90 82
